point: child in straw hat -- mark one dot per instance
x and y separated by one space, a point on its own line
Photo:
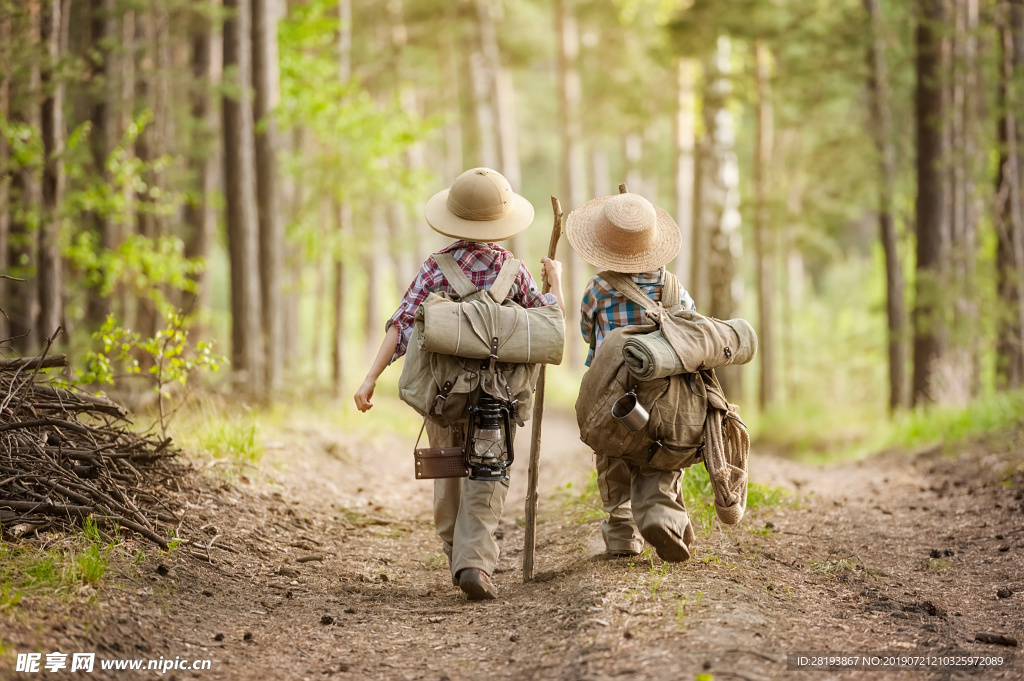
478 210
627 234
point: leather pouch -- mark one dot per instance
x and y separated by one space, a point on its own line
441 462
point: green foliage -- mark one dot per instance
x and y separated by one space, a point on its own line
170 357
356 143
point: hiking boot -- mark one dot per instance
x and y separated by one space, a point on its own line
619 549
477 585
670 546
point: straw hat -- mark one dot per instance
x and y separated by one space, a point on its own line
479 206
623 233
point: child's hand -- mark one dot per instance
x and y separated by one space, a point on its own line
364 395
551 271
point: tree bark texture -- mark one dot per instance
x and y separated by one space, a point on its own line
764 237
881 123
719 215
204 160
931 199
573 179
343 214
240 197
5 179
267 96
103 137
1010 248
50 274
684 132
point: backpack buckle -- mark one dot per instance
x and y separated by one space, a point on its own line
442 396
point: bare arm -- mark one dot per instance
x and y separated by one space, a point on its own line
380 363
551 271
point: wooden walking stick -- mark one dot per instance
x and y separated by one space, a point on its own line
530 542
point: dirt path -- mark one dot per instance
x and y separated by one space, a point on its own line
903 553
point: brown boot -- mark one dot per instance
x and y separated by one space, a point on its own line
669 545
477 585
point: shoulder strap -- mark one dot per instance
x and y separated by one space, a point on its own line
629 288
454 274
506 278
670 290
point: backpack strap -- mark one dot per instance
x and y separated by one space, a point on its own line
670 290
506 278
454 274
629 288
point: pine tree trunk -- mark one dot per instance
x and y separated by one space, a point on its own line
147 145
764 251
719 216
240 196
448 66
633 151
931 199
50 278
343 215
201 213
684 131
25 324
126 114
1010 249
5 181
103 136
271 224
573 179
371 258
881 123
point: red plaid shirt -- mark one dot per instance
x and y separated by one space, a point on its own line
481 262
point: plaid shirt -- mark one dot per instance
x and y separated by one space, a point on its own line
481 262
604 308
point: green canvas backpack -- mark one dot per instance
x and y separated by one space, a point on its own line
441 386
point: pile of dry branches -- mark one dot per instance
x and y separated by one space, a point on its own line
67 455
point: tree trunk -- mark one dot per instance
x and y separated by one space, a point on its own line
201 212
1010 249
764 239
148 147
573 180
684 130
267 87
371 266
719 194
633 150
125 115
600 176
488 13
25 324
5 180
50 278
881 123
103 136
484 108
343 215
448 66
240 196
929 115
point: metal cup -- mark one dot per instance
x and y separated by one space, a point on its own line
628 410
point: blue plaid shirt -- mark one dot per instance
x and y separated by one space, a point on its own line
604 308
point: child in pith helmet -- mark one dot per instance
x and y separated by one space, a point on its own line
627 234
478 210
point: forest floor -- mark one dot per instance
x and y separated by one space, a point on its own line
905 552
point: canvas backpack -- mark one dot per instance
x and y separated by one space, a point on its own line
442 387
688 411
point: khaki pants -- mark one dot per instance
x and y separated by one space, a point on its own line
466 512
637 499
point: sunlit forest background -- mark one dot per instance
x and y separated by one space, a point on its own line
845 174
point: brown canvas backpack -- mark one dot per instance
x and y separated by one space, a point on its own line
688 411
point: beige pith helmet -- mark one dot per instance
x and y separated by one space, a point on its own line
479 206
623 233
